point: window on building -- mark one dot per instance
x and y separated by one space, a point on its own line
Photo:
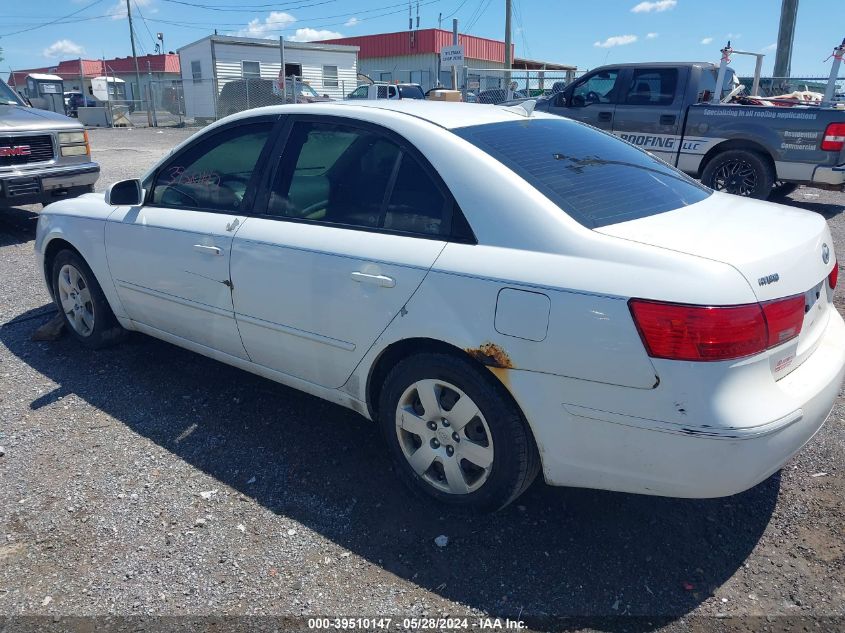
196 70
251 70
330 77
385 77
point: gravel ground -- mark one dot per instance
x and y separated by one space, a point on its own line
147 480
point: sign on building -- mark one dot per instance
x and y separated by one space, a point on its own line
451 56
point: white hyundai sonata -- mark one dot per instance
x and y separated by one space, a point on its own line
502 293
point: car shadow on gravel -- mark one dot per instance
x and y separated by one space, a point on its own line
17 225
827 210
555 553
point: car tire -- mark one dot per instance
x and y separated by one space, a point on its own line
782 189
740 172
79 297
480 462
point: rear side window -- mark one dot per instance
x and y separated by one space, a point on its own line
337 174
653 87
593 176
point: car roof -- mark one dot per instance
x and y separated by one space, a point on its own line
445 114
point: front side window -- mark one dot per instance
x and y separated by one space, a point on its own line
212 174
593 176
330 76
338 174
596 89
7 96
251 70
652 87
361 92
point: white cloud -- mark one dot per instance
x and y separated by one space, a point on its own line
770 47
63 48
353 21
707 40
269 26
652 36
616 40
656 6
118 9
312 35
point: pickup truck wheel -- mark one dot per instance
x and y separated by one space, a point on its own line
740 172
80 299
454 435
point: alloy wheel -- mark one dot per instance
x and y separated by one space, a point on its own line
75 298
735 176
444 436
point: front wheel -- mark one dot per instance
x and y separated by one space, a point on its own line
740 172
454 433
80 299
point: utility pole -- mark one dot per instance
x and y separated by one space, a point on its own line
786 35
508 55
454 43
134 55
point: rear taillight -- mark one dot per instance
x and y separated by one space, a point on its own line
784 319
834 137
833 277
711 333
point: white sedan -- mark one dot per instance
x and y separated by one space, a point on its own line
503 293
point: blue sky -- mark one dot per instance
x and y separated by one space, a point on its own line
583 32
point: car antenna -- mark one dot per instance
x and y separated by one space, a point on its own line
524 108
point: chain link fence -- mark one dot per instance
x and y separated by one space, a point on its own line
774 86
495 85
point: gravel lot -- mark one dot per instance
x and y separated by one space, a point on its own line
147 480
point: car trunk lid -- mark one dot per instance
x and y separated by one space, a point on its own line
779 250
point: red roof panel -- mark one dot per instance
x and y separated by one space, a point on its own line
421 42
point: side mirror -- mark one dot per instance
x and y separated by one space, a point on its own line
125 193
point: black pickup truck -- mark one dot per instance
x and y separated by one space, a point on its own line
44 156
750 150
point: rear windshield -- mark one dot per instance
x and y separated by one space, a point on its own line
411 92
595 177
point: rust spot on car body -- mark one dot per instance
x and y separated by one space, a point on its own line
491 355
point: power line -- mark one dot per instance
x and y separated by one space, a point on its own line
455 12
257 7
57 20
146 26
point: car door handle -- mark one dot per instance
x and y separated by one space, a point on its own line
605 116
208 250
667 119
379 280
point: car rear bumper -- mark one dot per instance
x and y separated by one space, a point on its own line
29 186
591 447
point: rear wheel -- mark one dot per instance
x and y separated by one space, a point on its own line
740 172
80 299
454 434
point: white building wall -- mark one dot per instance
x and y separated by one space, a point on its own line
221 62
230 58
199 95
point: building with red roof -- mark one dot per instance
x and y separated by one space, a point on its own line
413 56
77 73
